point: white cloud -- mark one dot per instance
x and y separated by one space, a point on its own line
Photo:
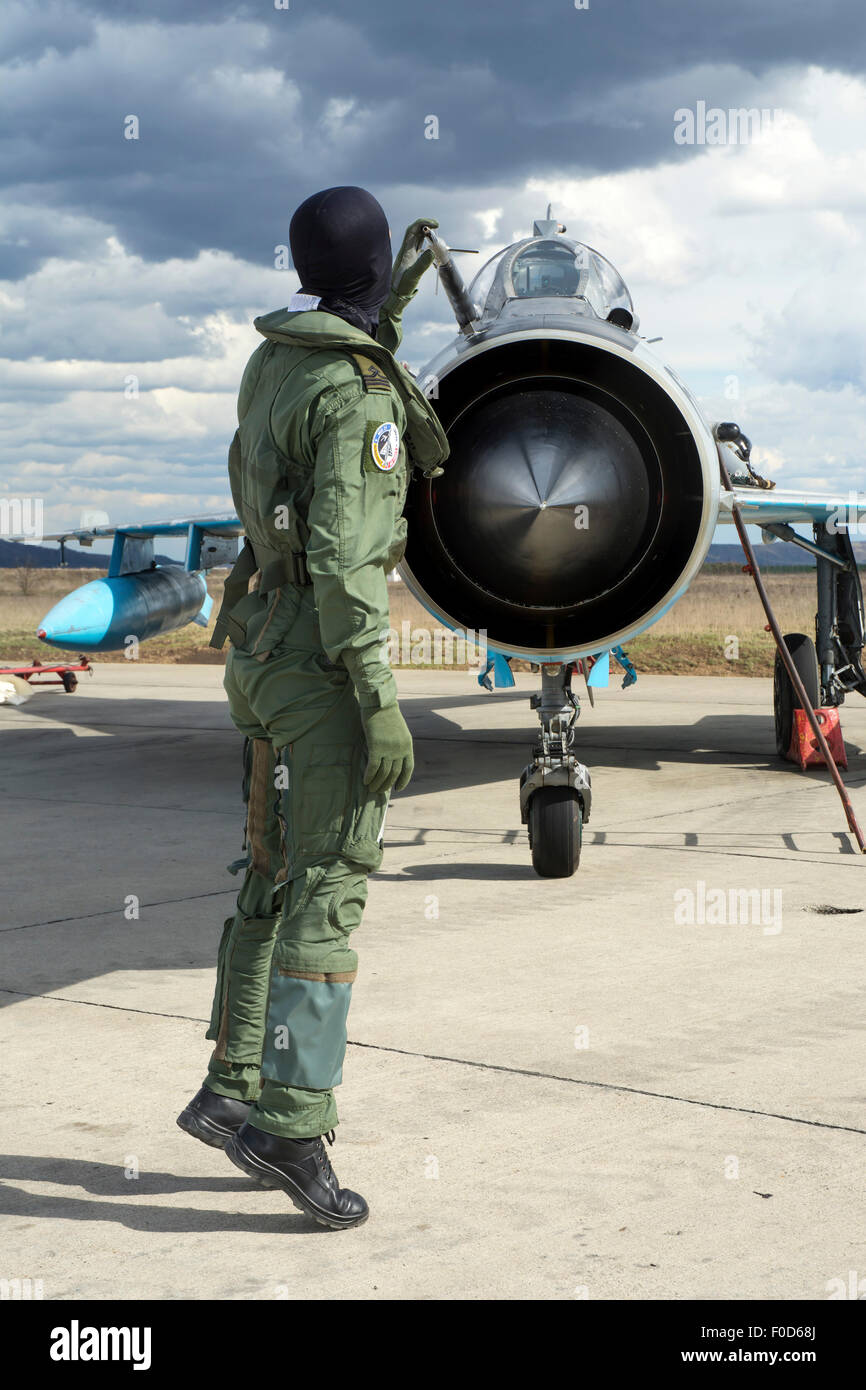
747 259
489 221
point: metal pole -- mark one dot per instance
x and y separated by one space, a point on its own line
465 311
793 673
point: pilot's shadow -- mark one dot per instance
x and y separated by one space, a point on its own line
106 1180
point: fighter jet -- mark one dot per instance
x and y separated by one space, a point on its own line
580 499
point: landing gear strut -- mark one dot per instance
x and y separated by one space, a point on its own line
847 599
831 666
555 789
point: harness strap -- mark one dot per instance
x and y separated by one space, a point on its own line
239 604
236 588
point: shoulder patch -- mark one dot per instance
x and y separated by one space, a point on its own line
385 446
373 376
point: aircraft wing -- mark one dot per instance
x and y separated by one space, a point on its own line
225 525
759 506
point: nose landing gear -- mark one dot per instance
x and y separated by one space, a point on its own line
555 788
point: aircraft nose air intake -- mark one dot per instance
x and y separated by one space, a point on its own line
579 497
538 485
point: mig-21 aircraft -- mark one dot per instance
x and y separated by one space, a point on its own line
579 501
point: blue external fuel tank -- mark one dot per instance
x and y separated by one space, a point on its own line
103 615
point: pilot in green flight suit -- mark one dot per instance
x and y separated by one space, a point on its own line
330 426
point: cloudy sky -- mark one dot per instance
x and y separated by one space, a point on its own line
144 260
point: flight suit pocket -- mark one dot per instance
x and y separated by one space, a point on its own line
334 811
275 624
364 842
324 795
346 905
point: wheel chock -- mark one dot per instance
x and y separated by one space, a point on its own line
804 745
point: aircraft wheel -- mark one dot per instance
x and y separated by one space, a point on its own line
555 831
785 700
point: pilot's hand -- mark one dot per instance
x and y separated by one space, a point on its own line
390 761
412 260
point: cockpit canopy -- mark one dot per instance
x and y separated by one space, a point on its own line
550 268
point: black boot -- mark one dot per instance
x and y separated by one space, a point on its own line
302 1169
213 1119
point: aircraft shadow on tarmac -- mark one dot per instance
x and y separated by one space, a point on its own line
172 762
724 738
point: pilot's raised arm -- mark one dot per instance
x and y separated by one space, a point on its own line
409 267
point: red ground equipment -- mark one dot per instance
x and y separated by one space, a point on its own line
63 673
804 745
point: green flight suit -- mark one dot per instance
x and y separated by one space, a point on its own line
319 483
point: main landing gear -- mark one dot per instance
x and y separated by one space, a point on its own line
831 666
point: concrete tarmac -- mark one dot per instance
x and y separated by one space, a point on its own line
645 1081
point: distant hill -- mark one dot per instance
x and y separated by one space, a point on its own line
770 556
16 554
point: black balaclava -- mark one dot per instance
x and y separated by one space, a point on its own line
341 249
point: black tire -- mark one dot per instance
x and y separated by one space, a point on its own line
70 681
785 698
555 831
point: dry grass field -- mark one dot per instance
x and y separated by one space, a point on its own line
690 639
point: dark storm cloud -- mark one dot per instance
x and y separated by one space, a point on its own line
525 42
236 126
